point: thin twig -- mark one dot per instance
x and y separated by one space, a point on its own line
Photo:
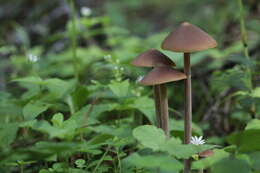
179 114
73 37
101 160
246 52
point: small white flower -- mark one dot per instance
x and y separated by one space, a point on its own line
116 68
121 68
197 140
139 79
32 58
107 57
85 11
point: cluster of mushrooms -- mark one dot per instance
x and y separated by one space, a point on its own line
187 38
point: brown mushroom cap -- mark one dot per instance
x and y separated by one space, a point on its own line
161 75
152 58
206 153
188 38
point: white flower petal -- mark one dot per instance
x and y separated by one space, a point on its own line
197 140
139 79
85 11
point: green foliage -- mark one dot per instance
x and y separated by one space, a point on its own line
32 110
231 165
150 136
69 101
119 88
155 139
153 162
7 134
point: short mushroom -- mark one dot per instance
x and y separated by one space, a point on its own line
154 58
158 77
188 38
206 153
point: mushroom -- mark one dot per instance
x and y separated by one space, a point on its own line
154 58
188 38
206 153
157 78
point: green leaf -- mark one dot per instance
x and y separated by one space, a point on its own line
100 139
122 131
165 163
218 155
101 108
66 131
60 167
33 109
256 92
231 165
119 88
80 163
247 140
7 133
255 158
146 106
53 147
79 96
57 120
154 138
31 79
150 136
84 116
253 124
179 150
43 171
59 88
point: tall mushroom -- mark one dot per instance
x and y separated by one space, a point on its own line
188 38
158 77
154 58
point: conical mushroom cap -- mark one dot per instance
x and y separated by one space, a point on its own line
188 38
160 75
152 58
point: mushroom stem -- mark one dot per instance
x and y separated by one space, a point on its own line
161 107
164 110
188 108
157 101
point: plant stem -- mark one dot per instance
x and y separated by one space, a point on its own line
73 37
188 108
157 105
101 160
164 109
243 29
21 168
245 45
119 161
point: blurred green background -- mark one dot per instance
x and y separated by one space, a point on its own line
73 58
